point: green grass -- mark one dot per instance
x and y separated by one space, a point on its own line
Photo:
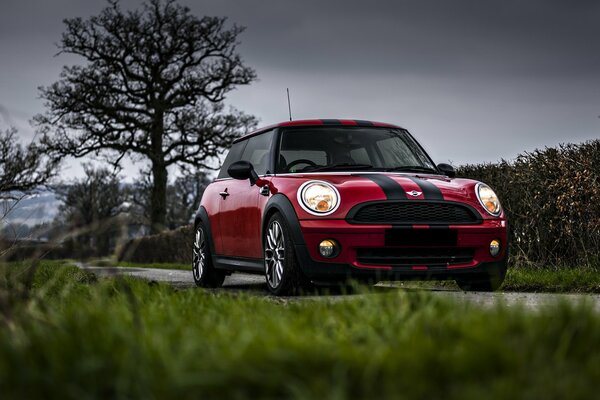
124 338
125 264
540 279
109 262
553 279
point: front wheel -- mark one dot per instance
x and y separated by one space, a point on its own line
204 272
282 272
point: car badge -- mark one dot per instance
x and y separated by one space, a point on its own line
414 193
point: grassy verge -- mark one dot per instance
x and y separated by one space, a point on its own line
124 338
553 279
109 262
126 264
521 279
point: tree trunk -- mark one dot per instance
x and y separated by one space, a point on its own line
158 201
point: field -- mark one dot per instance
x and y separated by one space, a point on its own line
66 334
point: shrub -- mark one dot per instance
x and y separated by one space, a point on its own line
168 247
552 199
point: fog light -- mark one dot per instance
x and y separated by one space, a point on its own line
494 247
328 248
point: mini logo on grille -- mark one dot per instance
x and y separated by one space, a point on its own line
414 193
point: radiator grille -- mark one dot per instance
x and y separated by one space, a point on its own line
413 212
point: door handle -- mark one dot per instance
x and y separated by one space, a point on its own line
224 194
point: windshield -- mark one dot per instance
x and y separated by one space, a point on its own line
350 148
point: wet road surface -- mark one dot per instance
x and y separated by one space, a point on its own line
255 284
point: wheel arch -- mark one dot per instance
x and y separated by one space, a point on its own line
202 216
279 203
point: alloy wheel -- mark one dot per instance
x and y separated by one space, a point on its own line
274 254
199 254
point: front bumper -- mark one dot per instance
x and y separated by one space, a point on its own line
357 240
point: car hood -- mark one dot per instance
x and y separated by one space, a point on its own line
360 187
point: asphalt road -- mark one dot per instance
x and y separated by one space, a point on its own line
255 284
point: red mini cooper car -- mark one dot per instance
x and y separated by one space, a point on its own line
327 200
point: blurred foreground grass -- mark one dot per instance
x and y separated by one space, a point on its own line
66 335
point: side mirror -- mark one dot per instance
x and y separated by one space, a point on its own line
243 170
447 170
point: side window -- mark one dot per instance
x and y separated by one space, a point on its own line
258 152
235 154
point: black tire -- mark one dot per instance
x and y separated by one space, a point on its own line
282 271
203 270
490 281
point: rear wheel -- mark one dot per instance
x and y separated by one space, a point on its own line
489 281
282 271
204 272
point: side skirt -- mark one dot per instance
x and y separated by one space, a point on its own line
252 265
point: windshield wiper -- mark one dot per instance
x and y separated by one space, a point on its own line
412 168
340 166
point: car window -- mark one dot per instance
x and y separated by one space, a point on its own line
293 157
235 154
258 150
396 152
343 147
360 156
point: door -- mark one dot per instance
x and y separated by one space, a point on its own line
239 211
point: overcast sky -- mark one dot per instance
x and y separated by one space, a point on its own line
473 80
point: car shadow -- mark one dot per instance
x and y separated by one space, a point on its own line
255 284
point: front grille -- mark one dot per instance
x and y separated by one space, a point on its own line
413 212
415 256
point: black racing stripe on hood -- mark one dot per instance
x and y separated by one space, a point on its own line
363 123
392 189
331 122
430 191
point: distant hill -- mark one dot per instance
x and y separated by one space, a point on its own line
33 210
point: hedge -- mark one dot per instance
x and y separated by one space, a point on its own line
552 199
174 246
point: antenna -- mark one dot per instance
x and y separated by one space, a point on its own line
289 105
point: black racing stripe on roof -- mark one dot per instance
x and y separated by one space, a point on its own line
430 191
363 123
331 122
392 189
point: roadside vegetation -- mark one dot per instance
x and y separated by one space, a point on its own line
551 199
553 280
67 335
126 264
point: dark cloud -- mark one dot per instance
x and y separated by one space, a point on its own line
554 38
475 80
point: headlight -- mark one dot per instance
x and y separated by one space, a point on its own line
488 199
318 197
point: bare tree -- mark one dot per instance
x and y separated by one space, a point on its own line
152 88
90 207
183 198
22 168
